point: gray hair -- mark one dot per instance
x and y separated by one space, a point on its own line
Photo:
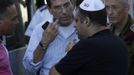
122 1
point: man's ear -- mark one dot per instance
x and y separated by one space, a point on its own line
87 21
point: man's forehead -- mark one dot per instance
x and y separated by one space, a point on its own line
112 1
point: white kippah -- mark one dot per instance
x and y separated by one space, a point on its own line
92 5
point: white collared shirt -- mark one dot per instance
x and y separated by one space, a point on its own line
37 18
55 51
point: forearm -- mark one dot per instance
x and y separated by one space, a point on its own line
47 37
39 53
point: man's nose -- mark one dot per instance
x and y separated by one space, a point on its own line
109 11
64 9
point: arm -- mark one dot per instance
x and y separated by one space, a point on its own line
48 36
33 57
33 44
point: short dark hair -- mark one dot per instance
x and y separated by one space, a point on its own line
78 2
40 3
99 17
48 3
4 4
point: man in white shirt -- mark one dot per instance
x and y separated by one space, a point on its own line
47 47
40 15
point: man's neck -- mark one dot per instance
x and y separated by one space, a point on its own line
96 29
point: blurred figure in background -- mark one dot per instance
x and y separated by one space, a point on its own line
8 21
122 25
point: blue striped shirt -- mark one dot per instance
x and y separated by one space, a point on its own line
55 51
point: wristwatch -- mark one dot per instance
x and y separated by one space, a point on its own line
43 46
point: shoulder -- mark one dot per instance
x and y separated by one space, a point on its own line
38 29
42 8
129 35
86 43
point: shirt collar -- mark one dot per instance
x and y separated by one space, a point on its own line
65 32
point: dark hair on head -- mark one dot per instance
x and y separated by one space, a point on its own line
40 3
4 4
99 17
48 3
78 2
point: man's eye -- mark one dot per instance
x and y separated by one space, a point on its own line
115 7
107 7
57 7
67 4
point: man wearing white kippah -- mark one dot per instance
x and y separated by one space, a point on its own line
99 51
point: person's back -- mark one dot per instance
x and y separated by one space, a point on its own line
102 54
107 55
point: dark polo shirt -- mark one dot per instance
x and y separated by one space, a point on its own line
102 54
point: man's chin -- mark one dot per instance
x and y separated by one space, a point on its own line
113 22
65 23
